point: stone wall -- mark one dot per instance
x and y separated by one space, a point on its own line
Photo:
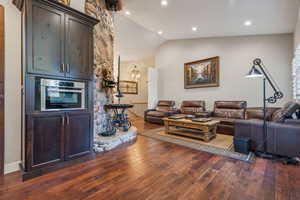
103 59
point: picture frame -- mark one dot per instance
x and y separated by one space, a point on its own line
202 73
129 87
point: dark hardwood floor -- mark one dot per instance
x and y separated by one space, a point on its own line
151 169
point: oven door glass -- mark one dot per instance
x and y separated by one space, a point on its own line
63 98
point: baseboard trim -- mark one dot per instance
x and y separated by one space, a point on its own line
11 167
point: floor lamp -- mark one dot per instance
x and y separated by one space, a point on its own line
259 70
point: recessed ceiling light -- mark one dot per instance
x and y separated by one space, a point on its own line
160 32
194 28
248 23
164 2
127 12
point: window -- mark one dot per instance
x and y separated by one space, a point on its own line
296 74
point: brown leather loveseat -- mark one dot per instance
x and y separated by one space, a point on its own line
163 109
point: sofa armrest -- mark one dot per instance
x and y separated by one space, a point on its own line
149 110
146 112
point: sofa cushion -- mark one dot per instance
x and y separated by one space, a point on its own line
230 113
231 104
166 103
258 113
290 108
287 111
157 114
193 104
163 108
278 116
191 110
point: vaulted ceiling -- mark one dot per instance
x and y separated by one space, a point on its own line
133 41
214 17
137 34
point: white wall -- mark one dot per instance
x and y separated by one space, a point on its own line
236 55
297 33
12 84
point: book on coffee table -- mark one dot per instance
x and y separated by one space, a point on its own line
177 117
203 120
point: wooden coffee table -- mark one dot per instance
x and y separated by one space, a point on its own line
200 130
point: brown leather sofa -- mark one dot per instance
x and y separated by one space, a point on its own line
163 109
227 112
192 107
283 133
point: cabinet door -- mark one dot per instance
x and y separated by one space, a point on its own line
45 139
79 48
47 38
78 134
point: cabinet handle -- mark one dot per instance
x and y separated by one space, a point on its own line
68 120
63 121
62 67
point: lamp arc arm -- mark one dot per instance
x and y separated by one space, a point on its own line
277 93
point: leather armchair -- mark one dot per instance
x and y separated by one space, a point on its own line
227 112
192 107
163 109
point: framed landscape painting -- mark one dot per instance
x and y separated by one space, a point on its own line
202 73
129 87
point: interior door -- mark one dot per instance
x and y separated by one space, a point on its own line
1 90
47 41
78 134
79 47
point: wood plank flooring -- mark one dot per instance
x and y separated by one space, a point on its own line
152 169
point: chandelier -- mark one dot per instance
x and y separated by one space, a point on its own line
135 74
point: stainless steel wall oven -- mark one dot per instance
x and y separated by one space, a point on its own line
57 95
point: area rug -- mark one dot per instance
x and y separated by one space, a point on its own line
221 145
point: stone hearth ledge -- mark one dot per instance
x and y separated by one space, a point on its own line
102 144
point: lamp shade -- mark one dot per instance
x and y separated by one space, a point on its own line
254 73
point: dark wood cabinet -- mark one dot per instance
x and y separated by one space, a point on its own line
59 43
79 134
57 136
47 41
78 48
45 139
